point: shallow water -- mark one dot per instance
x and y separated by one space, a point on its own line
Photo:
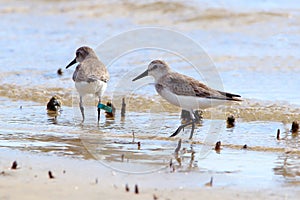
253 47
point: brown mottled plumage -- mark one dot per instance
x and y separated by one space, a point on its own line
184 91
90 68
181 84
90 76
184 85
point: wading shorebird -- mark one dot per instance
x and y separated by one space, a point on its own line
184 91
90 76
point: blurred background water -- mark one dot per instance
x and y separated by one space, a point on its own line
252 44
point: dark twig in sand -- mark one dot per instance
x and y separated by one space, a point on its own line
218 147
60 71
210 183
126 188
54 105
278 134
123 108
178 147
14 165
176 152
122 157
245 146
133 136
139 145
295 127
192 159
155 197
111 114
179 160
50 175
230 121
173 168
136 189
171 163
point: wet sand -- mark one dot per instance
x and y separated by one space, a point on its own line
253 59
88 179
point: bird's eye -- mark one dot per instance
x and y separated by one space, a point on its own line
78 54
154 67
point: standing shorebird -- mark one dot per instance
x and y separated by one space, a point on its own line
90 76
184 91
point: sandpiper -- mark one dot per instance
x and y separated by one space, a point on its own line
184 91
90 76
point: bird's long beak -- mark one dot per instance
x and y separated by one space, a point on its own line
145 73
71 63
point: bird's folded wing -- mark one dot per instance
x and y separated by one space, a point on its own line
187 86
98 72
89 73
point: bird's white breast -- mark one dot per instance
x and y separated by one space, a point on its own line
189 102
96 87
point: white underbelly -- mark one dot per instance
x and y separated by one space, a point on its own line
190 102
97 88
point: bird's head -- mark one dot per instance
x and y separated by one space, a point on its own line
156 69
81 54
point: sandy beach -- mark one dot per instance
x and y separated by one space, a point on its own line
89 179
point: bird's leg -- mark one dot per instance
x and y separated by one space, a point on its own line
192 131
194 118
98 109
81 108
180 128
